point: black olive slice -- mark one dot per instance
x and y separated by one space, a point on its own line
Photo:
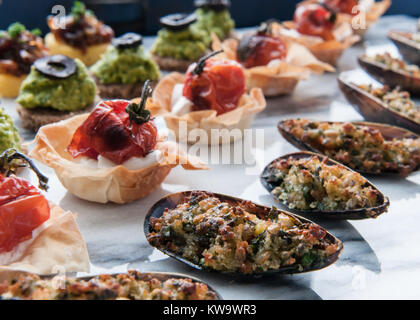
177 21
57 66
128 40
217 5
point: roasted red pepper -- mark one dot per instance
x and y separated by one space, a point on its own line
315 20
22 206
116 130
342 6
260 48
213 84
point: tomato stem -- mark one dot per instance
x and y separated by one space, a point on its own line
8 166
265 27
137 112
199 68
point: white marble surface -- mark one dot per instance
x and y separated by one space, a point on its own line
381 258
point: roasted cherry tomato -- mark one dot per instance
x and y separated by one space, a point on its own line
259 49
315 20
22 207
213 84
112 131
342 6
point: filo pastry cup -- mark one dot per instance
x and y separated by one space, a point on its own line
364 19
280 78
56 246
115 184
191 126
328 51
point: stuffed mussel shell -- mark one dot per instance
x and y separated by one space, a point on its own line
373 109
388 132
409 49
390 77
106 294
382 203
173 200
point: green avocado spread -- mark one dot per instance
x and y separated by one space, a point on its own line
9 136
125 66
188 44
71 94
219 22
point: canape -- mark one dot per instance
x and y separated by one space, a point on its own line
316 27
366 147
408 44
179 43
37 236
79 35
57 88
307 182
117 153
216 232
271 63
19 48
9 134
381 104
361 14
123 68
212 95
213 17
392 71
133 285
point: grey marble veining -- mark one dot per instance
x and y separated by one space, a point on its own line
381 258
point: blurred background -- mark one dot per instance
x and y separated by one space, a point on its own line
143 15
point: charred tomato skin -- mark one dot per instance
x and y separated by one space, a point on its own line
108 132
219 87
259 49
315 20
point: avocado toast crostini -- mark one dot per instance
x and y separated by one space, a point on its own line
179 43
123 69
9 134
57 88
213 16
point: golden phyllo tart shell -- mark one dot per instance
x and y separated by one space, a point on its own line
56 246
328 51
240 118
281 78
116 184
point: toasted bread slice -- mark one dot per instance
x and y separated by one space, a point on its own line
171 64
33 119
121 91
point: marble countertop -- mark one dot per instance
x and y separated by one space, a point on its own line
380 260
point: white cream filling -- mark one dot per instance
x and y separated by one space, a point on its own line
134 163
274 63
179 104
295 34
